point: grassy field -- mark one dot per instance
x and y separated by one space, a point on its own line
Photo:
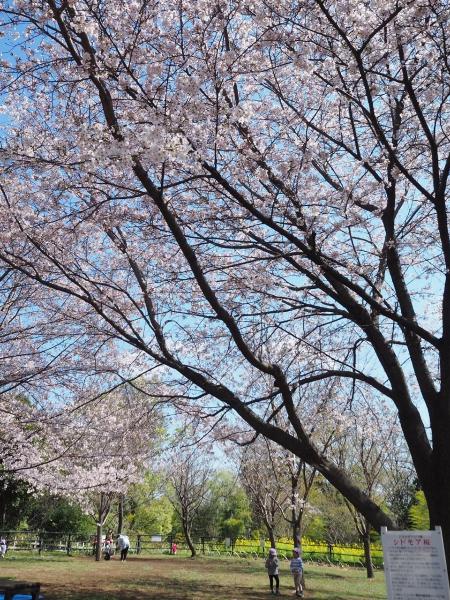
178 578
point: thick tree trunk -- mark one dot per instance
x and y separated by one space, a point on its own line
120 514
368 552
296 537
190 543
98 547
294 516
438 494
445 526
270 532
103 510
297 529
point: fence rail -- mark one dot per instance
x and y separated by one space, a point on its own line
78 543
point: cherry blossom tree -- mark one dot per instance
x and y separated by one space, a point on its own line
189 477
92 451
366 449
250 195
260 476
36 351
101 503
278 485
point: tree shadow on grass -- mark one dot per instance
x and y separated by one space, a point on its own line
35 558
344 595
324 575
177 590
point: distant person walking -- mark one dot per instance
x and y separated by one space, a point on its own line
272 566
296 567
124 545
3 547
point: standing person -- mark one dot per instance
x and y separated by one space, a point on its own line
124 545
3 547
296 567
272 567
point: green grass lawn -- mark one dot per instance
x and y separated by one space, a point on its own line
179 578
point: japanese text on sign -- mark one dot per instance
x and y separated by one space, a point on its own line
414 565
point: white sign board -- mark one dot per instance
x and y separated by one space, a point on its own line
156 538
414 565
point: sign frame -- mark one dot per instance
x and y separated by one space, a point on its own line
402 553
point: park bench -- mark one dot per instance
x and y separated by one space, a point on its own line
19 590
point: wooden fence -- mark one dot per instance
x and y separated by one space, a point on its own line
81 544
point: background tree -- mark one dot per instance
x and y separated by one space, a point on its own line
419 517
101 503
14 501
264 486
226 499
46 512
120 509
92 452
235 515
401 487
333 522
301 479
147 509
365 448
188 479
278 485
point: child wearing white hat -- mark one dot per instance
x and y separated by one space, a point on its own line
272 567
